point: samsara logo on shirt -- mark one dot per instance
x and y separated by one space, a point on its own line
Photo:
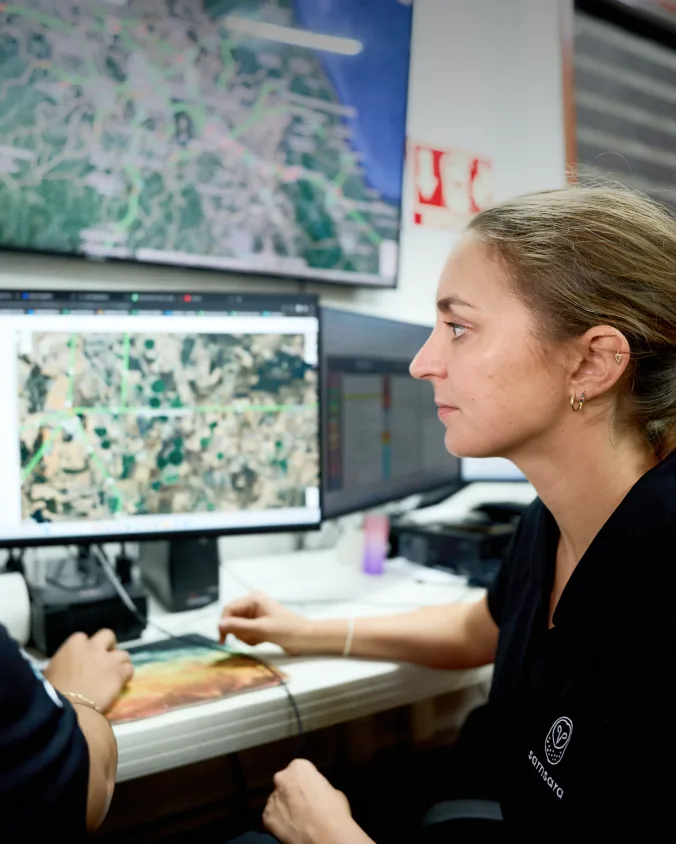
557 740
556 743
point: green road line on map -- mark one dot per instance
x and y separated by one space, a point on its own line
70 394
228 61
371 233
39 17
124 387
135 198
339 181
102 411
37 457
251 408
258 112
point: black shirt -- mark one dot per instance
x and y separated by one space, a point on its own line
44 759
586 735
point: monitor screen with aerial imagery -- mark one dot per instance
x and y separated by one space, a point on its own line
257 136
132 415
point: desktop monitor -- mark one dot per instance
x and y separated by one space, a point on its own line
254 136
383 438
146 415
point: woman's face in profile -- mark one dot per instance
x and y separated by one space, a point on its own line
498 389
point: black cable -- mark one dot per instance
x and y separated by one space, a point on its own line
203 643
15 563
241 788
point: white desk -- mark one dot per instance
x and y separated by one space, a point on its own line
327 690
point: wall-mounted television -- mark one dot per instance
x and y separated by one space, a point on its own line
254 136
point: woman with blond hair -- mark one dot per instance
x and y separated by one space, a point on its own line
555 347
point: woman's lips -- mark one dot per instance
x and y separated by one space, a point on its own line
444 410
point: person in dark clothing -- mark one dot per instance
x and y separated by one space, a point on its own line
555 347
58 755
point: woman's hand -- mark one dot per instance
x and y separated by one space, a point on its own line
92 667
305 808
257 618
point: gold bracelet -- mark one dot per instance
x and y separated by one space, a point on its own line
76 697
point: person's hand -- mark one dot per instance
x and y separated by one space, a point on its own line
305 808
91 667
257 618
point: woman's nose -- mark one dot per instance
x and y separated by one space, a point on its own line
427 363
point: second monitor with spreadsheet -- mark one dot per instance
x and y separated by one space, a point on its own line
382 437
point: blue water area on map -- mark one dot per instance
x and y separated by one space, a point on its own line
375 82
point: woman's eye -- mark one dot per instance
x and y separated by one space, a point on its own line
458 330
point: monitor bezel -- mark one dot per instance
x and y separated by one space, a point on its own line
152 536
159 536
257 275
378 502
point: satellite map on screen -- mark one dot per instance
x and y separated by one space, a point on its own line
133 424
251 135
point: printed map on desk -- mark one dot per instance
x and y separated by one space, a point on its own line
175 673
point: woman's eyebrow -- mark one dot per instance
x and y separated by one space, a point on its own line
448 302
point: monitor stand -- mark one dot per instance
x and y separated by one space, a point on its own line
183 574
76 572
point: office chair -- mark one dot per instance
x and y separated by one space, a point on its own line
463 820
468 818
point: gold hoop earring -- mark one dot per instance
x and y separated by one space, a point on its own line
618 358
579 403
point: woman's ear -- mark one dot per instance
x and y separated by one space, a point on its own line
603 355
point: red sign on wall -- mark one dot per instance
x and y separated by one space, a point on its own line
450 185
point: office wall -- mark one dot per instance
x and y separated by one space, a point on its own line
485 75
